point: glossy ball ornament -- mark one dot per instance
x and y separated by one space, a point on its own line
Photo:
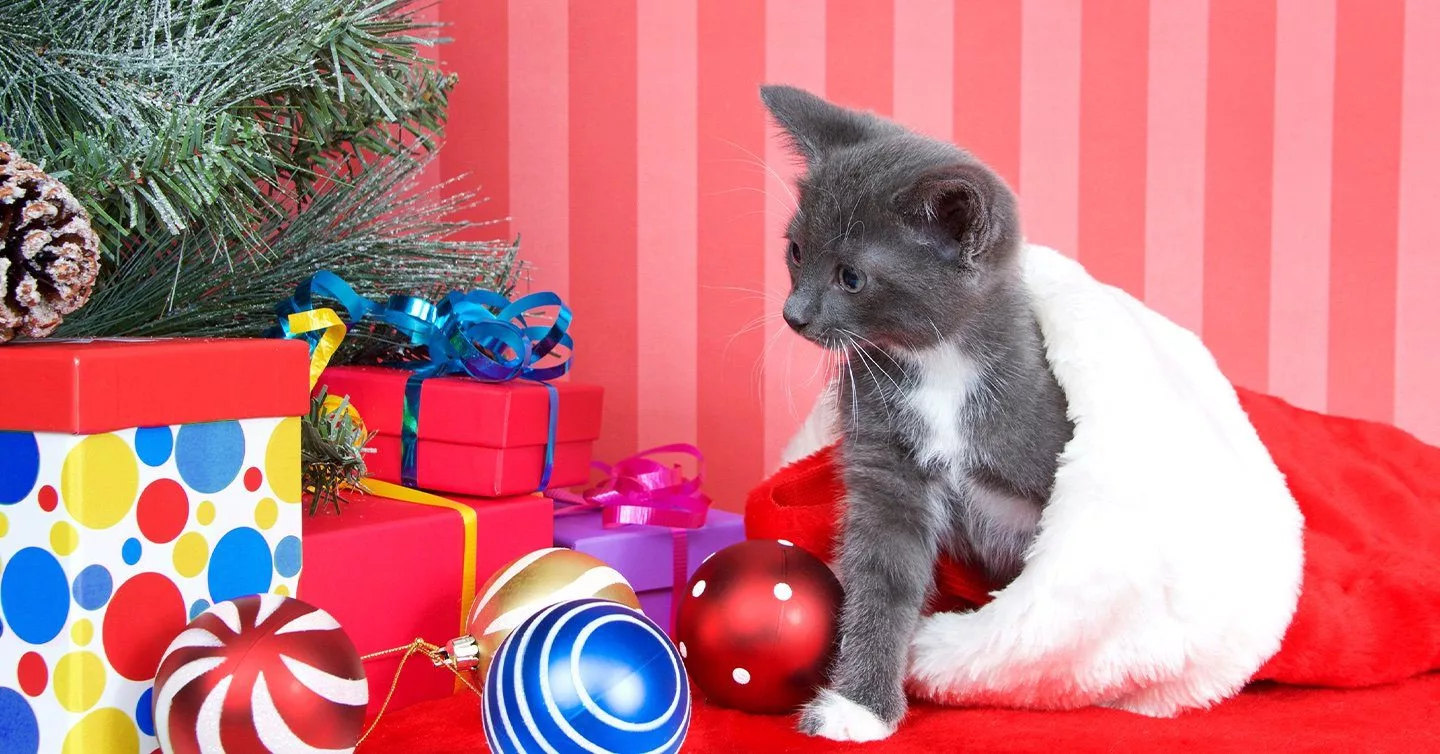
531 583
758 626
585 676
260 674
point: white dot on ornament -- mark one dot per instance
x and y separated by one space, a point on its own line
699 588
786 542
741 676
783 591
683 653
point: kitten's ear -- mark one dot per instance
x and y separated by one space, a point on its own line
816 126
969 201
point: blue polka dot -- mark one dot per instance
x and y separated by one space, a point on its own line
153 445
145 712
209 456
287 556
35 595
198 607
19 730
19 466
93 587
130 551
239 566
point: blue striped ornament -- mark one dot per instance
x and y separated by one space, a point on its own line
588 676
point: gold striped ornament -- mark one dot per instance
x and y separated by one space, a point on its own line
528 585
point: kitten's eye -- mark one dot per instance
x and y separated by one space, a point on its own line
793 252
851 279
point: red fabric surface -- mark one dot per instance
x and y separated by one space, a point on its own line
1403 717
1369 609
101 385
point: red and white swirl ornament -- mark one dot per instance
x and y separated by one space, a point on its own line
258 675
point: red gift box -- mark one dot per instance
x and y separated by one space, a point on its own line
475 438
391 572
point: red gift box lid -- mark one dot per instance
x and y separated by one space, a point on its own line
88 386
464 411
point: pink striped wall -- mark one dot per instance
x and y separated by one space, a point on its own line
1265 172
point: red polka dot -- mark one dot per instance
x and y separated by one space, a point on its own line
162 510
48 498
145 615
253 479
32 674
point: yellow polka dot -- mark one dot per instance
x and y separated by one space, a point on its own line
79 681
282 460
64 538
98 481
265 513
82 632
205 513
191 552
4 525
282 590
104 731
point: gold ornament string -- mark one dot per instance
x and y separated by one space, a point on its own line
436 655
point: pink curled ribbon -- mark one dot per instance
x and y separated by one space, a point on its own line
641 490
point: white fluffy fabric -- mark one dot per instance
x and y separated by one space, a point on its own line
1168 562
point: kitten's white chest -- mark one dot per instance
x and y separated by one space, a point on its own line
945 380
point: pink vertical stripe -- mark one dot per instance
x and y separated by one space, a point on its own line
1238 164
1175 162
1050 122
1364 228
925 66
859 72
603 209
732 237
1300 226
794 54
539 130
1417 326
1113 68
666 221
987 83
479 108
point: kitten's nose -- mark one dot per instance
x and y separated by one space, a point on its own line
795 319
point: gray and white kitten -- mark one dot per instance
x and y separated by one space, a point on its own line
904 252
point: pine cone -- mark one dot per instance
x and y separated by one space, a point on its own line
50 254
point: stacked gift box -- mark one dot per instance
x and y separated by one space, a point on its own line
391 571
140 483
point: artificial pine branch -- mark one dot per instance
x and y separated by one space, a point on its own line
227 149
332 450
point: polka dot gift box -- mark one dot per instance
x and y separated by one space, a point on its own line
141 481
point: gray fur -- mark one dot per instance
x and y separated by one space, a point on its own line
937 237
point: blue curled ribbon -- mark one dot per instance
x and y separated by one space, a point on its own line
480 334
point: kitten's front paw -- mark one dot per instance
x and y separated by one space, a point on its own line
832 716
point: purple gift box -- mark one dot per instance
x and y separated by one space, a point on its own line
644 555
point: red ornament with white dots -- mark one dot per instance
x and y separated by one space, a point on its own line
758 626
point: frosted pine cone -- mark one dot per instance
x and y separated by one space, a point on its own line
50 254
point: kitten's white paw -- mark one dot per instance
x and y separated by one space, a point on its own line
832 716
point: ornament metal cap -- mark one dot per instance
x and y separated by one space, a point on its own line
461 653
